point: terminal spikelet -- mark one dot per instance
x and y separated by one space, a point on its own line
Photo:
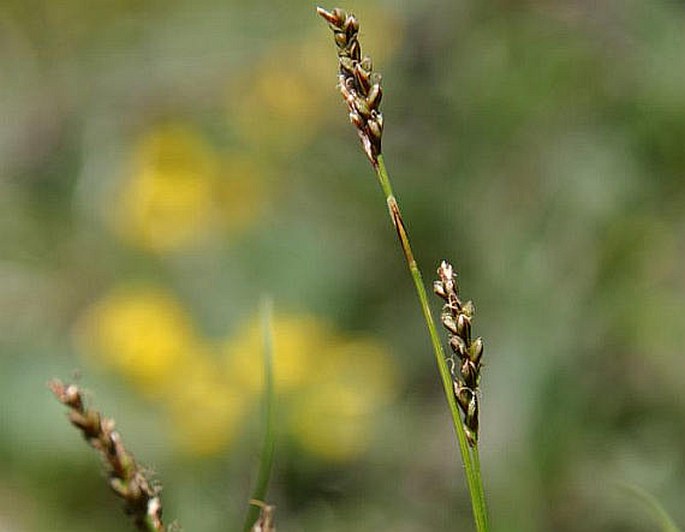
359 85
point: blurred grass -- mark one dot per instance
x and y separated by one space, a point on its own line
537 144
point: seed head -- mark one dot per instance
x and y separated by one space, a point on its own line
359 85
456 318
126 476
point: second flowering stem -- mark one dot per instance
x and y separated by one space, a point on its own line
469 454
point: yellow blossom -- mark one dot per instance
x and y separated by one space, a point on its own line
180 189
298 341
169 196
332 421
140 331
206 410
329 385
347 358
145 335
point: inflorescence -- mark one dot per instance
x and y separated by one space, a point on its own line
126 477
465 362
359 85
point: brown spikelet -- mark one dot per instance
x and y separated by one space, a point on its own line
465 362
126 477
359 85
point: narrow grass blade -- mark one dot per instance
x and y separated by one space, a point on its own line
268 447
652 504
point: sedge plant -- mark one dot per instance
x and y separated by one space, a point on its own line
361 89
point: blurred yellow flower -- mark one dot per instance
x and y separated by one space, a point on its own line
179 189
297 341
329 386
145 335
140 331
168 198
332 421
206 409
348 357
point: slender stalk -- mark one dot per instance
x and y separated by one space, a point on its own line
665 522
475 453
469 457
361 89
268 447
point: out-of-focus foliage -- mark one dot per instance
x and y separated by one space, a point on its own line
164 164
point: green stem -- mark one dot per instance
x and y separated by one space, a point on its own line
475 453
471 460
666 523
267 457
149 525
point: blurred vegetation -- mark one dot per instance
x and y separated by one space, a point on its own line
164 164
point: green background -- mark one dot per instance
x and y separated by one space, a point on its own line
537 145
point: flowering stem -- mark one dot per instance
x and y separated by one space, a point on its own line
475 454
266 460
469 455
